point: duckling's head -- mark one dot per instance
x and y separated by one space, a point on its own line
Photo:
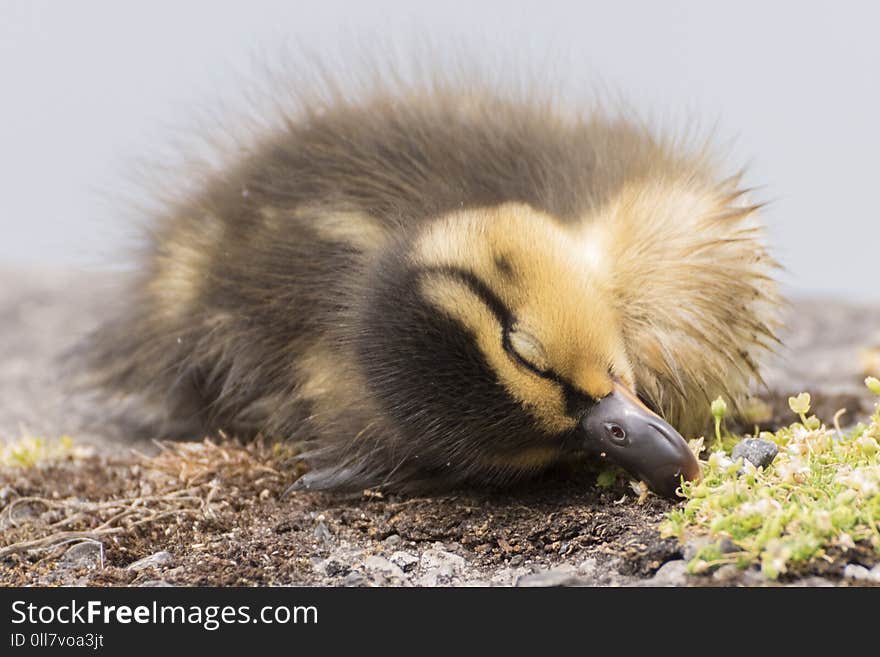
493 341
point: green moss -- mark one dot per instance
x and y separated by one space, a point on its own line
822 491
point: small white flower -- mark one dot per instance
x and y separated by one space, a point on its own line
718 459
749 468
845 541
792 471
867 444
776 556
823 521
865 482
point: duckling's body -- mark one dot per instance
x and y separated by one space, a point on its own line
438 286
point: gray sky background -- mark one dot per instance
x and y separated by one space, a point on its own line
86 88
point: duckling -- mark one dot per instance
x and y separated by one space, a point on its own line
445 285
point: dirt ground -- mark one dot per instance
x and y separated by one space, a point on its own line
246 533
216 514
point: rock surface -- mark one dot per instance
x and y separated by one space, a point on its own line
862 574
87 554
756 451
157 560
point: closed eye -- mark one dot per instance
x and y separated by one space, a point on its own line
524 348
527 350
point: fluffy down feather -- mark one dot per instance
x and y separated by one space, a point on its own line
279 296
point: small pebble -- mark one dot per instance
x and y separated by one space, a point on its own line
404 560
157 560
672 573
588 567
440 567
756 451
862 574
440 558
334 568
381 566
354 578
87 554
727 573
565 575
321 532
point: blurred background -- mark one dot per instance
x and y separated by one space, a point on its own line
87 87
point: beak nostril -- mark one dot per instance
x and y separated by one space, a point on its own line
616 433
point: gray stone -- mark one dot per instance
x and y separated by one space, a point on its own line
564 575
382 569
672 573
855 571
435 558
441 568
354 578
155 583
88 554
588 567
508 576
862 574
757 451
727 574
158 560
322 533
753 577
405 561
438 577
392 540
334 568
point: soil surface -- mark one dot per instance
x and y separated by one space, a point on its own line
111 512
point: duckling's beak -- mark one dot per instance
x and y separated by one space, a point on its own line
623 430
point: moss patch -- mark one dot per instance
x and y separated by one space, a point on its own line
820 496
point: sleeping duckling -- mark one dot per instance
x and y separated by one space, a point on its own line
444 286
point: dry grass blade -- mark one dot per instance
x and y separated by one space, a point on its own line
185 480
